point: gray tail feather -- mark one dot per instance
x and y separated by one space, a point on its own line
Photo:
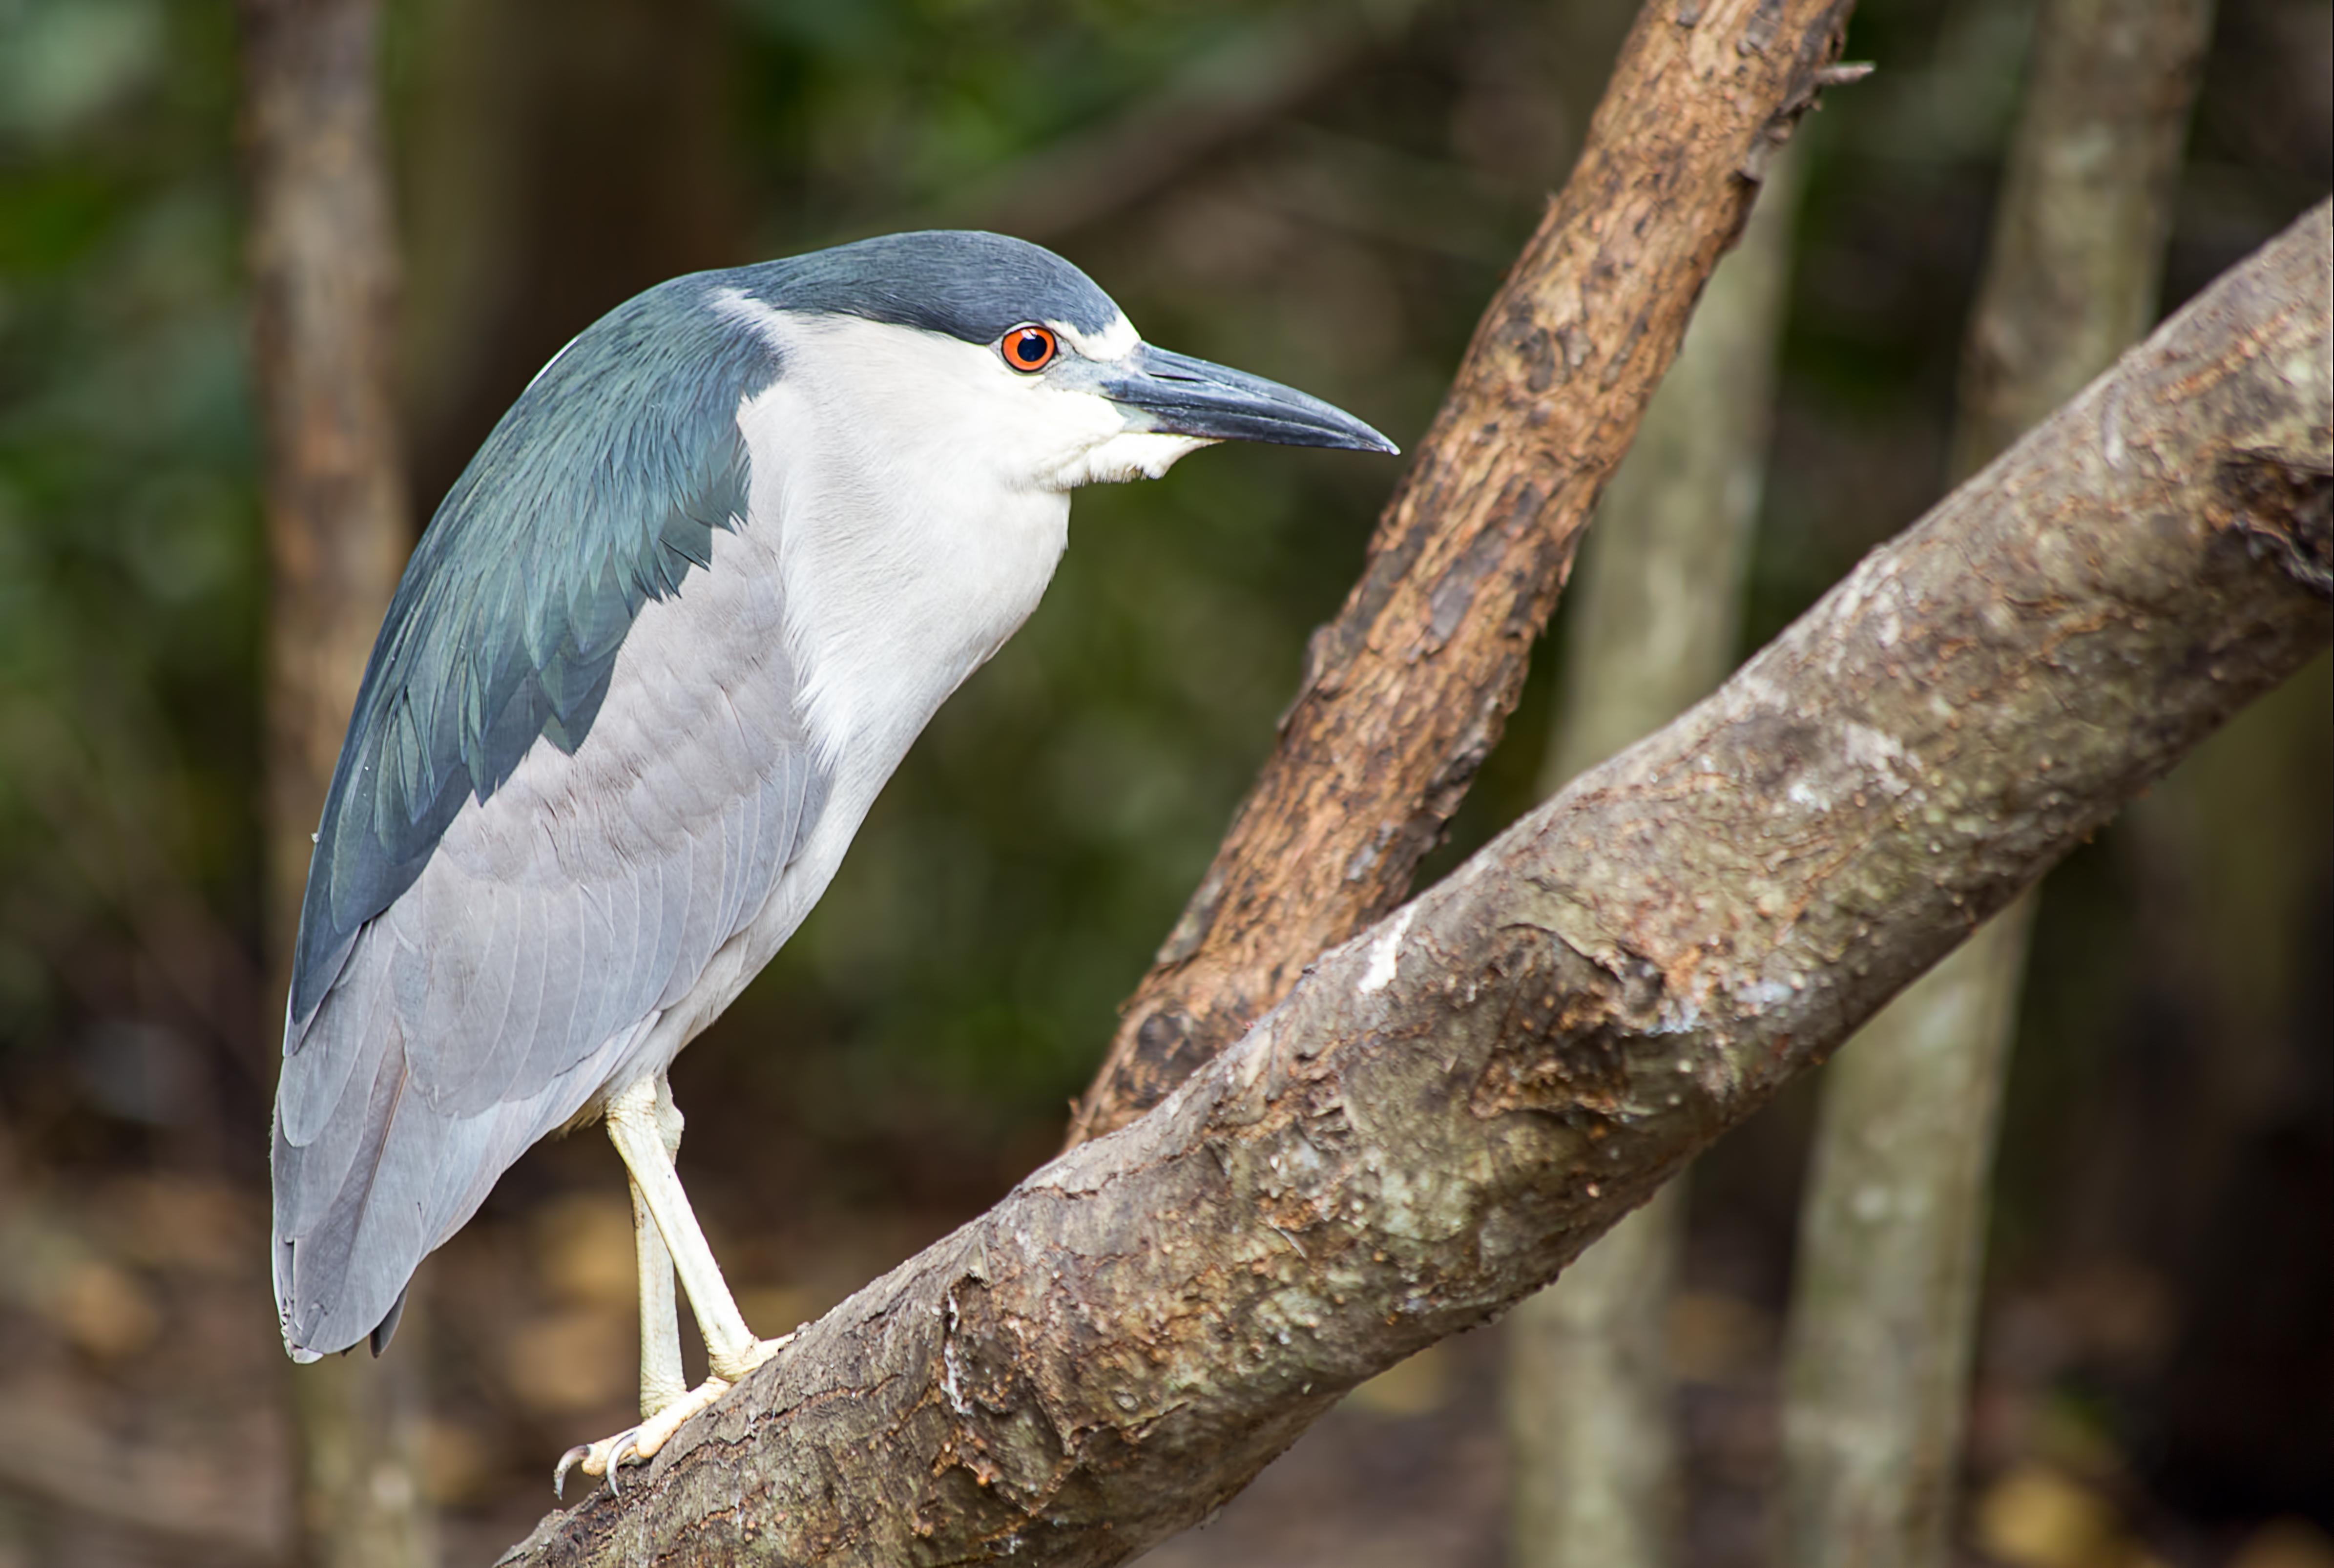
319 1205
386 1181
384 1330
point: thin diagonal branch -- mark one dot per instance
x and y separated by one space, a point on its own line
1406 692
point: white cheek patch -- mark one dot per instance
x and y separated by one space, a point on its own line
1134 455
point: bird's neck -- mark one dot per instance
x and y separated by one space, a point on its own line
902 570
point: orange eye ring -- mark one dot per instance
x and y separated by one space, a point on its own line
1029 348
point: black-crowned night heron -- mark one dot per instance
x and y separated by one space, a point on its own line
648 668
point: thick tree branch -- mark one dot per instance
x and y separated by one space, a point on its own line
1445 1110
1406 692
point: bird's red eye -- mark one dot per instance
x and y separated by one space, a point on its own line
1028 349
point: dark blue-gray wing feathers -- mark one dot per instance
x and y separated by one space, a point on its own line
596 493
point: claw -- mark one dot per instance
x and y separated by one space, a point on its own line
625 1450
638 1445
579 1455
600 1458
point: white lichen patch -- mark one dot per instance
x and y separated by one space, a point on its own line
952 1380
1386 951
1880 755
1297 1308
1430 1204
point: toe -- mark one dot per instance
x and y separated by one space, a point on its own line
638 1445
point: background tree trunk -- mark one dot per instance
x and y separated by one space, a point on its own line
323 288
1591 1445
1892 1229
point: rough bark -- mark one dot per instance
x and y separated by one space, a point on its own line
323 288
1591 1452
1891 1250
1444 1112
1406 692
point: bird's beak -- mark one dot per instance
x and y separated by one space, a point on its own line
1175 394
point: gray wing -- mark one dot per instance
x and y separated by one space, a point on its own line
552 928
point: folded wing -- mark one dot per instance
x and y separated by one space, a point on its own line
577 770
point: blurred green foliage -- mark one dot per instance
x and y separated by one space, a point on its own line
130 589
1322 192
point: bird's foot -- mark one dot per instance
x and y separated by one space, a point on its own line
638 1445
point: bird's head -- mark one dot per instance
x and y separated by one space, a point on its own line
1003 348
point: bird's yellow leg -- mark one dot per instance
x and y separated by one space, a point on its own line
645 1126
661 1380
637 1120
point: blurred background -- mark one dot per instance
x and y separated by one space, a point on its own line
1324 193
